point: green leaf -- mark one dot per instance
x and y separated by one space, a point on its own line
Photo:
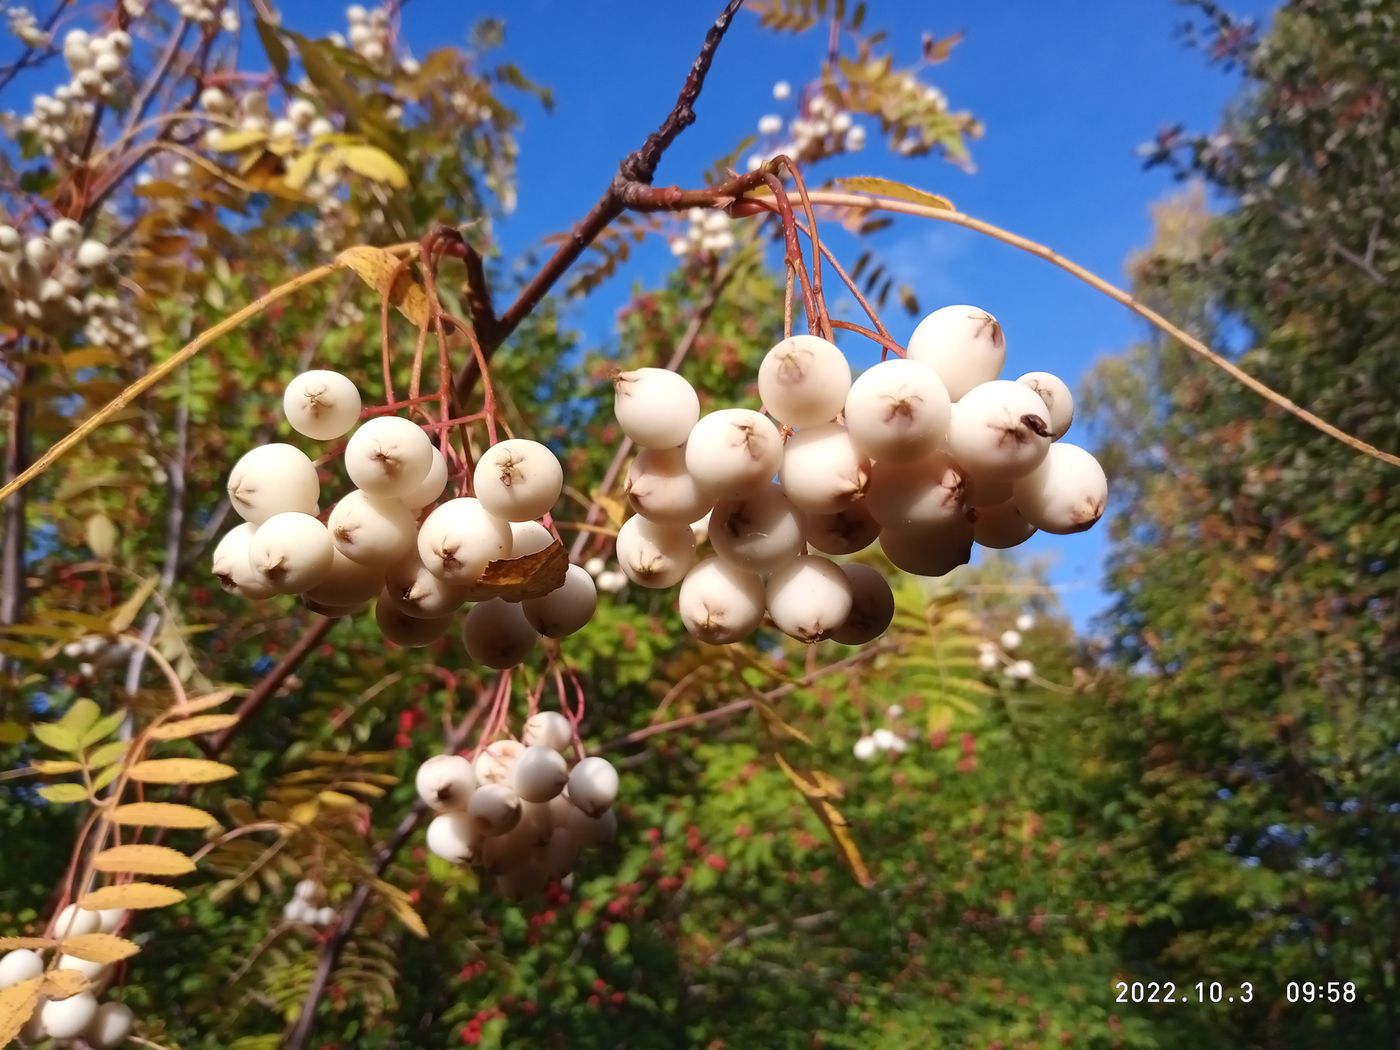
103 728
375 164
58 737
80 715
897 190
277 53
12 733
106 776
108 753
64 792
617 938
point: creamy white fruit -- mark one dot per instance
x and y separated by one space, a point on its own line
822 472
388 456
934 550
431 488
872 606
733 451
414 591
446 782
494 762
347 584
540 773
659 487
964 345
372 530
719 603
654 555
898 411
655 407
528 537
460 538
321 404
567 608
593 785
273 479
22 964
913 495
1059 402
450 837
110 1027
759 532
497 634
809 598
1066 493
803 381
292 552
999 431
494 810
411 632
518 479
1000 527
66 1018
233 569
548 729
845 532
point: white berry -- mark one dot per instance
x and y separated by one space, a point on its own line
431 488
593 785
1067 493
913 495
809 598
411 632
803 380
518 479
655 407
22 964
661 489
321 404
372 530
446 782
872 606
494 810
497 634
460 538
292 552
1059 402
845 532
822 472
449 837
548 729
273 479
732 452
720 603
759 532
233 569
411 589
654 555
998 431
898 411
1000 527
965 345
388 456
929 550
540 773
66 1018
565 609
348 583
110 1027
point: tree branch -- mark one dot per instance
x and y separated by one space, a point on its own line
12 567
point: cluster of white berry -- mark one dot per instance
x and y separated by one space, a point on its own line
24 25
822 129
607 580
308 905
889 737
97 65
710 232
50 280
518 811
930 454
372 543
207 12
991 655
368 33
79 1017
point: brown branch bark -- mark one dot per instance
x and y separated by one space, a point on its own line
12 567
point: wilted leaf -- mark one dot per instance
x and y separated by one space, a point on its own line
181 771
17 1004
377 268
132 895
408 915
143 859
193 727
100 947
897 190
533 576
776 727
161 815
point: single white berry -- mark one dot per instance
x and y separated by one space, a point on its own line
929 550
518 479
660 488
1000 527
898 411
595 566
73 921
22 964
431 488
611 581
374 531
66 1018
411 632
915 495
987 661
460 538
109 919
411 589
759 532
965 345
872 606
1059 402
540 773
1010 640
528 537
865 748
733 451
93 971
348 583
565 609
548 729
497 634
654 555
1025 622
446 782
845 532
110 1027
719 603
809 598
292 552
233 569
273 479
1067 493
494 762
593 785
66 233
1020 670
998 431
388 456
494 810
655 407
308 890
450 837
321 404
822 472
803 381
92 254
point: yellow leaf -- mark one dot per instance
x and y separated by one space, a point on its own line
336 799
89 357
305 813
897 190
125 615
377 268
776 727
9 944
408 915
201 703
100 947
53 767
131 895
234 141
816 792
193 727
516 579
300 169
161 815
143 859
63 984
374 163
100 535
17 1005
180 771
